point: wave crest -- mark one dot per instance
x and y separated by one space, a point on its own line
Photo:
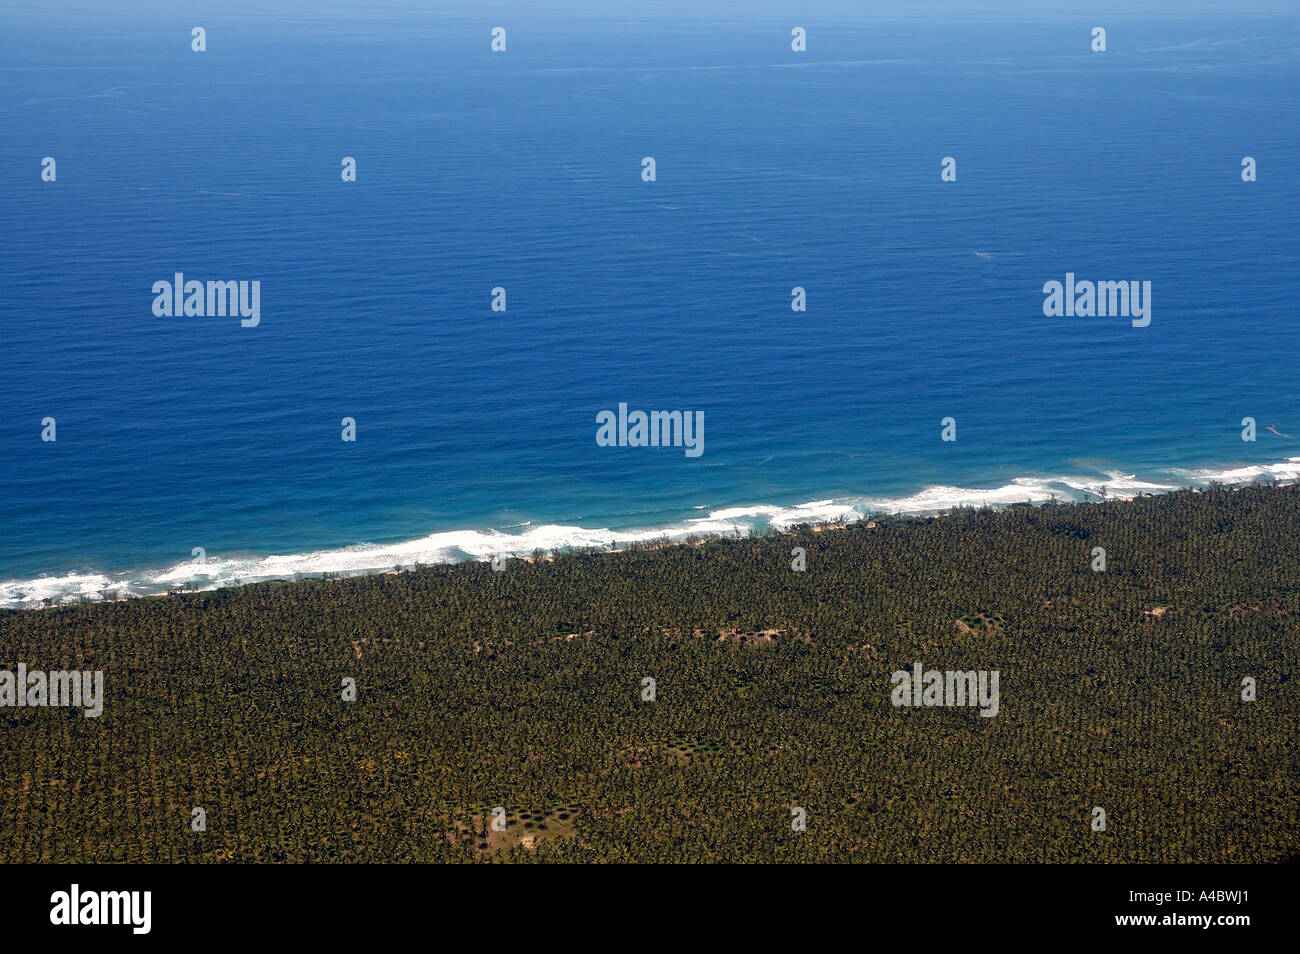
460 545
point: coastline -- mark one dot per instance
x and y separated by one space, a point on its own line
465 546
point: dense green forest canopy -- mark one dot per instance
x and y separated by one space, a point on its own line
523 689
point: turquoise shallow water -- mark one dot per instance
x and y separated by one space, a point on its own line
476 429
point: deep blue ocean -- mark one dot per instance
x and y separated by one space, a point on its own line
475 429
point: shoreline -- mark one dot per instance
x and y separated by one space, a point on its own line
648 539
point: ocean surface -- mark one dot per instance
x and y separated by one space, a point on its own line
476 429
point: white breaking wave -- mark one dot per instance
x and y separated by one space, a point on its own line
525 539
1285 472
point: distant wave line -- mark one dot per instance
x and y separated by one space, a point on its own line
456 546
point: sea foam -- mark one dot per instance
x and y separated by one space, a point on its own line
524 540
